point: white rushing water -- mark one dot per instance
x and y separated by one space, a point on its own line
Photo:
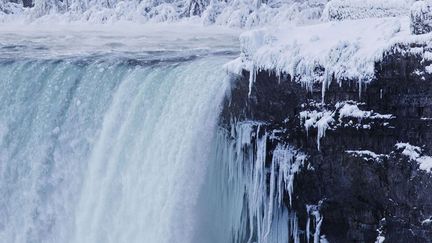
111 135
102 147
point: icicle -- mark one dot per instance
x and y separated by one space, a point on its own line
323 124
271 199
252 78
308 229
319 220
323 90
265 218
313 210
360 87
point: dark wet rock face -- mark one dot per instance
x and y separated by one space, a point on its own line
362 182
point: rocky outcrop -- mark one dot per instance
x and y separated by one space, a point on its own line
362 177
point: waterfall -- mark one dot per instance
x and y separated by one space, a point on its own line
102 141
106 151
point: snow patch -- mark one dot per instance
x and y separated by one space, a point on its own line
427 221
352 110
428 69
366 154
415 153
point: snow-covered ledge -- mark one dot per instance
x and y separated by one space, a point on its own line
320 53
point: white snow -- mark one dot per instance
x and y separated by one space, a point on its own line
425 163
427 221
415 153
365 153
380 239
427 56
429 69
324 52
352 110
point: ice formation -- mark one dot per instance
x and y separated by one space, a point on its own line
313 211
323 119
261 187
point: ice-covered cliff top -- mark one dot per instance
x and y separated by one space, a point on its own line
322 52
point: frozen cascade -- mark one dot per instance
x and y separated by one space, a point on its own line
255 189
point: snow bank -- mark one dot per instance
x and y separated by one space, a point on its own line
360 9
324 52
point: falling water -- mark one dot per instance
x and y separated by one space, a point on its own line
103 147
115 138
